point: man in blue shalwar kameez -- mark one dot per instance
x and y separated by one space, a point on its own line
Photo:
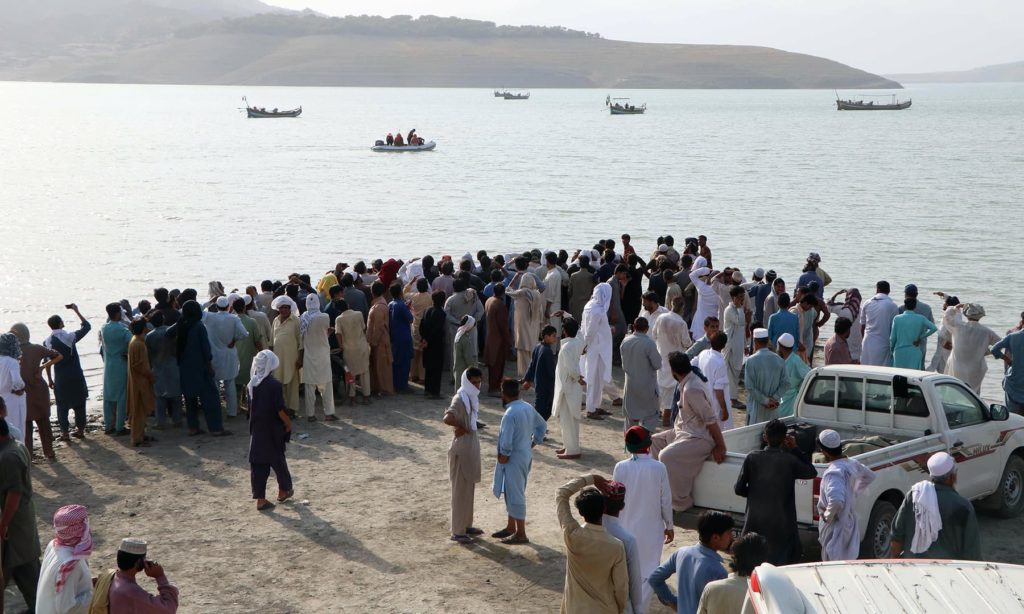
521 429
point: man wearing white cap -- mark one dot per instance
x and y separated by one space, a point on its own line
841 483
971 343
118 591
225 329
935 521
763 379
793 374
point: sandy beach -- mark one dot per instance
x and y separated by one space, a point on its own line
367 529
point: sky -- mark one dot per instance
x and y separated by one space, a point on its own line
880 36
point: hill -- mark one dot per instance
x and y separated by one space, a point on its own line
182 46
999 73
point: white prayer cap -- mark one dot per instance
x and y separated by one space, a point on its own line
758 273
940 464
737 276
663 248
133 546
830 439
234 296
247 299
760 333
786 340
222 302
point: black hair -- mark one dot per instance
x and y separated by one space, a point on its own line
783 300
748 551
570 326
447 268
54 322
669 240
127 561
882 287
360 267
304 277
466 265
621 268
709 320
510 387
335 290
157 319
809 298
239 305
719 340
711 523
161 295
377 288
267 286
113 309
551 258
499 290
843 325
548 330
341 306
521 263
910 303
590 504
641 324
584 261
679 363
5 429
736 291
474 372
651 296
422 285
496 276
626 237
137 326
347 281
775 432
459 284
438 297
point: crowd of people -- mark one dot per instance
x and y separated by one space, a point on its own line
397 140
688 337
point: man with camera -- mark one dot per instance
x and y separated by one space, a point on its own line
117 591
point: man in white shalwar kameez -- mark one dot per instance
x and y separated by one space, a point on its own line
876 324
734 324
707 298
671 335
569 390
224 330
553 293
596 363
971 343
841 484
648 512
712 364
316 361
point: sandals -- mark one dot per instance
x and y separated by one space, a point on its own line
462 539
266 506
287 495
502 534
515 539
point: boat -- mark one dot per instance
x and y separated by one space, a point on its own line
624 107
871 105
500 93
254 112
428 146
519 96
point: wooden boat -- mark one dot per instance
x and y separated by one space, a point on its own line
520 96
624 107
428 146
254 112
871 105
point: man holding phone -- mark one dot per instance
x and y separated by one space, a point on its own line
117 591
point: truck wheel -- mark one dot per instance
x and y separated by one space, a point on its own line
1008 499
878 537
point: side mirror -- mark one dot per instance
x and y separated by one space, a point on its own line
998 413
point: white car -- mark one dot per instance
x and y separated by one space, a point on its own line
886 587
903 416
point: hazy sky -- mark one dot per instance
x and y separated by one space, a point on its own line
881 36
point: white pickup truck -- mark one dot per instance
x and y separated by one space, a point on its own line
913 414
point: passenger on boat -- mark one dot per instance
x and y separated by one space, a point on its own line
411 139
391 139
398 139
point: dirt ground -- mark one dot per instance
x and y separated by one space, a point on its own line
367 529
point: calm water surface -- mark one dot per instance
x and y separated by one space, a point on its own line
109 190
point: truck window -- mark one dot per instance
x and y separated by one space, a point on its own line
960 406
851 393
914 405
879 396
822 391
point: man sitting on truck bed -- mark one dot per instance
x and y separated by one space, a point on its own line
694 437
767 480
935 521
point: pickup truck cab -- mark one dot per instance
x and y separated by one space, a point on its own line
908 416
907 585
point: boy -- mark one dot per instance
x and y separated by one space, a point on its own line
541 372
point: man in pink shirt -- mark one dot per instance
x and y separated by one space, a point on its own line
123 594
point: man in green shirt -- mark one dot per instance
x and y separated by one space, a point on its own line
21 550
948 528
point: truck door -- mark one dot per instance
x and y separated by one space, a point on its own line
971 444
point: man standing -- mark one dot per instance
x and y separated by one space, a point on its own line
793 372
935 521
463 302
707 298
695 566
640 362
648 512
763 379
727 596
712 364
596 574
464 454
734 322
1010 347
581 287
671 334
288 348
971 343
69 388
350 330
837 348
614 501
378 335
65 582
841 484
116 337
569 390
910 330
314 327
711 327
541 372
521 429
225 330
920 307
498 341
849 309
767 480
118 591
527 317
876 327
695 437
140 384
783 321
597 342
18 519
553 293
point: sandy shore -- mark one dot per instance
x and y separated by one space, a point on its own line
367 530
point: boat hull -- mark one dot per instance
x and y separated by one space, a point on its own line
638 111
428 146
257 114
846 105
515 97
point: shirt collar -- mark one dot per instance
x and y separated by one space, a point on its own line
709 553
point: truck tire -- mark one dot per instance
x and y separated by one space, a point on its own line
1008 499
878 537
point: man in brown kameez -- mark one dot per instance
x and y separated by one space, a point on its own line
498 341
464 454
141 397
378 334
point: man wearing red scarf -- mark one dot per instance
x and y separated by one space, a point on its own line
65 582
